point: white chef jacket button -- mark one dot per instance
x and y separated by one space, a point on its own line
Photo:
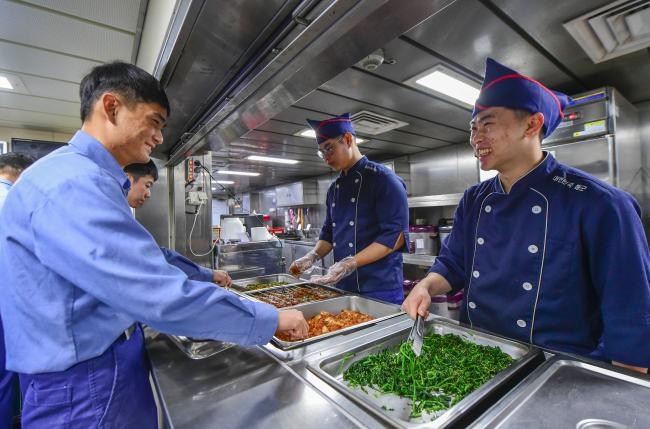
480 240
334 244
536 209
488 209
350 244
476 274
532 248
353 199
356 180
333 204
351 223
521 323
472 305
527 286
334 224
337 186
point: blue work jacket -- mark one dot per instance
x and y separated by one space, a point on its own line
560 261
365 205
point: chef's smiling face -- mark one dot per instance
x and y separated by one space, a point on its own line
497 137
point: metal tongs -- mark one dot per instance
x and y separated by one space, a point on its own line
416 335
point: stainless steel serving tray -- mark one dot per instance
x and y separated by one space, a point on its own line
566 393
241 285
199 349
257 293
395 410
377 309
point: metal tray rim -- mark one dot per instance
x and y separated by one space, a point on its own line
537 378
238 284
288 345
449 415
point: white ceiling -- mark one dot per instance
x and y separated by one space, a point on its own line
47 46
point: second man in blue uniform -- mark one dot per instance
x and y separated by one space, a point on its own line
366 224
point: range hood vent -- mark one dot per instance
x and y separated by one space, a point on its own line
617 29
367 122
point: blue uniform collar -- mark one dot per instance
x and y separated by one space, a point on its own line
360 165
89 146
6 182
540 171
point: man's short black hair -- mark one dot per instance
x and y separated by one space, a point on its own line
129 81
140 170
16 162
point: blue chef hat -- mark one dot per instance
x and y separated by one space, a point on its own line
330 128
504 87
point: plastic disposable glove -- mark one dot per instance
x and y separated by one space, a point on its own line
336 272
301 265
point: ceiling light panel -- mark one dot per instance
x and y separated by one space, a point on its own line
238 173
441 80
272 159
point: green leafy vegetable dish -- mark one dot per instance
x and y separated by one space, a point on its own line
257 286
448 370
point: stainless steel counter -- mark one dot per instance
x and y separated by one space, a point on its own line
238 388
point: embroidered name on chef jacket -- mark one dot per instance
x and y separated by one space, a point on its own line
563 181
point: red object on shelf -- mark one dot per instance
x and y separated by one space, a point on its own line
266 218
276 230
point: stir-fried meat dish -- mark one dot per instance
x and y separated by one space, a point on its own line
326 322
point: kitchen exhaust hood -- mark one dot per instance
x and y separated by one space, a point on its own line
229 67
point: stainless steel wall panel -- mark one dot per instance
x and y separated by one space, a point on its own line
448 170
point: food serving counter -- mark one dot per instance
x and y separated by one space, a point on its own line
308 384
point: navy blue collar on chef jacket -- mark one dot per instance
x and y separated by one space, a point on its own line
529 179
360 164
89 146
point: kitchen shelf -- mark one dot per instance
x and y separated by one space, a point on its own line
421 260
435 200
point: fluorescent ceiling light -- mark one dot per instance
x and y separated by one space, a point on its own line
450 86
272 159
309 133
4 83
225 182
238 173
360 140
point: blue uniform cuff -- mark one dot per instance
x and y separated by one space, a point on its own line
205 274
264 326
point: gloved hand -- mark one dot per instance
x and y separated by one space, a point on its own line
301 265
336 272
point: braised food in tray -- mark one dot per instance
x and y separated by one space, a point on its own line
294 295
257 286
326 322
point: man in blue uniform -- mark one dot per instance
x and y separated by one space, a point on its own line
547 254
11 167
142 177
78 271
367 218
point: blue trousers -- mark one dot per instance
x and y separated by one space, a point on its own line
109 391
7 388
